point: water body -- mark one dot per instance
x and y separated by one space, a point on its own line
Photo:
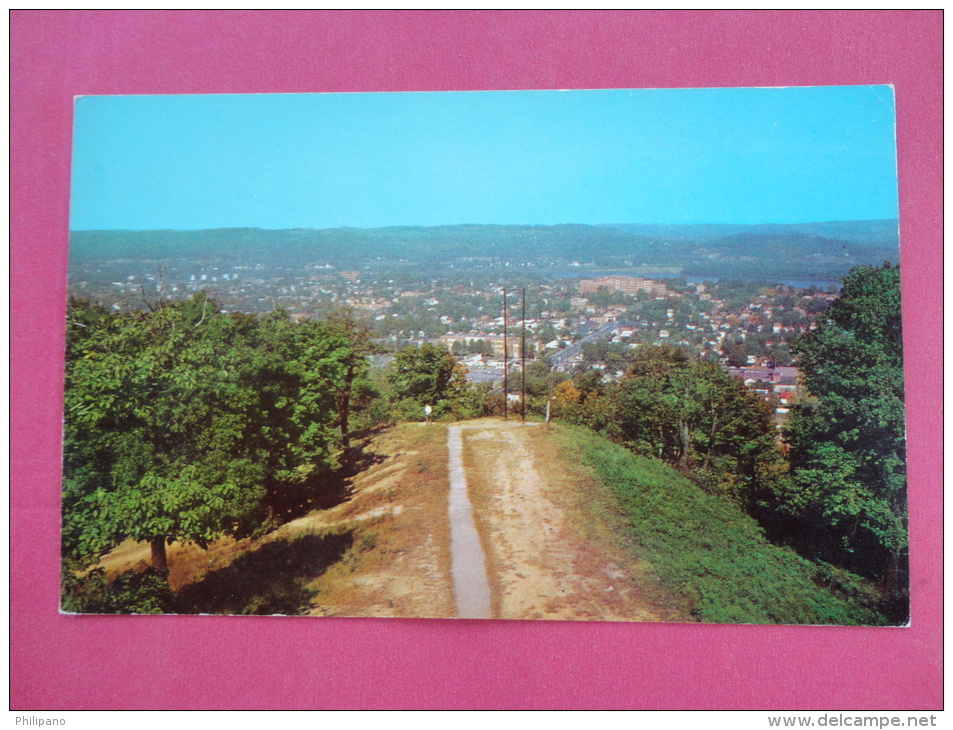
471 589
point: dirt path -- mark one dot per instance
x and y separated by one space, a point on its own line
547 557
549 537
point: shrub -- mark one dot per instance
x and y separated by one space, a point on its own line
131 592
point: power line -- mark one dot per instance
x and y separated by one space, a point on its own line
506 392
523 361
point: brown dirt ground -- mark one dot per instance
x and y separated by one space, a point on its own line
552 548
400 511
399 561
548 531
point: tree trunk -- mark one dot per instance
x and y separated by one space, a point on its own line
684 433
159 561
345 410
711 440
891 577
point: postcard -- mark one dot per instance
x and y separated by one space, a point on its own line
613 355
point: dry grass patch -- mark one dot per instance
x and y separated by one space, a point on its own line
188 562
383 551
399 563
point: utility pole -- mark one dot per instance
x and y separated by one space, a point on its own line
505 362
523 361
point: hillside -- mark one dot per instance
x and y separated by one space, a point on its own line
573 527
713 555
818 250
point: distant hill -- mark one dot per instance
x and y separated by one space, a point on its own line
884 232
808 250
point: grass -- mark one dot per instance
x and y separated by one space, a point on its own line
704 548
399 562
588 512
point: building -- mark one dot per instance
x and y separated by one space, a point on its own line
495 341
625 284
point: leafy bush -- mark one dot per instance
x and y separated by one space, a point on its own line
132 592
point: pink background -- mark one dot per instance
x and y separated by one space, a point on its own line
65 662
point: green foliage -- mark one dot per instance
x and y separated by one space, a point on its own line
182 423
475 347
131 592
689 413
351 334
704 548
428 375
603 350
848 494
604 298
470 402
737 356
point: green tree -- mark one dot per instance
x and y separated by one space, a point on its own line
546 333
847 443
356 345
182 423
153 423
737 356
428 375
594 351
296 380
693 415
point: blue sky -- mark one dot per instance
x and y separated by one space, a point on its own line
523 157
